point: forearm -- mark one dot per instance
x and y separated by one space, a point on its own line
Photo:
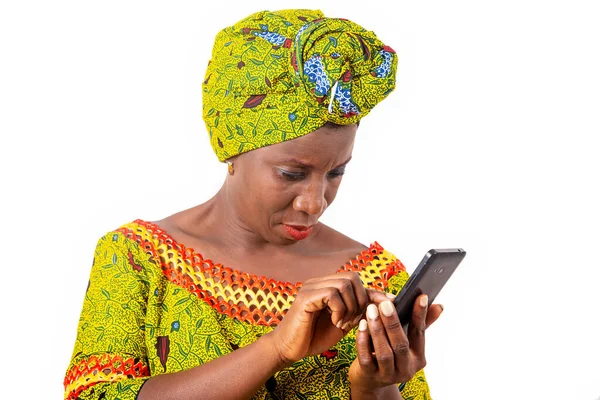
238 375
386 393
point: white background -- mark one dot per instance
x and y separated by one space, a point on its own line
489 143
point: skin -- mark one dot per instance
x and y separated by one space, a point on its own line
294 182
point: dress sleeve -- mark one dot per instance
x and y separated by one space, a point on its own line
110 358
417 387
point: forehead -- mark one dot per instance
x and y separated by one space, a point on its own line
324 143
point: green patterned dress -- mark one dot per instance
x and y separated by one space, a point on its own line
153 306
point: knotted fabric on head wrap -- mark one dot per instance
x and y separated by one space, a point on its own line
276 76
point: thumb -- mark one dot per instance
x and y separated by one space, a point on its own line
377 296
433 313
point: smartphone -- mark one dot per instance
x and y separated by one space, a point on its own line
430 276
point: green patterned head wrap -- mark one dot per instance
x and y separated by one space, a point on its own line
276 76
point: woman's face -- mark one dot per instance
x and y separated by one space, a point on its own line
290 183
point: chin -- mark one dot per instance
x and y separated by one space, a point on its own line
282 241
278 236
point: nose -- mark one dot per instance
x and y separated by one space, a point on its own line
312 199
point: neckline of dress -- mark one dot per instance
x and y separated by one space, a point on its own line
185 250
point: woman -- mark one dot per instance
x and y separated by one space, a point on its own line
283 97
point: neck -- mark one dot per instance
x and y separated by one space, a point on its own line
235 231
217 221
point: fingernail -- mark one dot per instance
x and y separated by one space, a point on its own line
424 300
390 295
441 306
362 325
347 326
372 311
387 308
339 324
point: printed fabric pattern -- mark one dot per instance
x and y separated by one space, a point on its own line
153 306
276 76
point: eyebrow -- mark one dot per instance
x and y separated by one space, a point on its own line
302 164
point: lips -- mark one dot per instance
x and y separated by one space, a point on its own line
299 227
298 232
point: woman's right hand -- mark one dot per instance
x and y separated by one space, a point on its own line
324 310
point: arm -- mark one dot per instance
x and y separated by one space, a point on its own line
237 375
398 358
110 356
306 330
387 393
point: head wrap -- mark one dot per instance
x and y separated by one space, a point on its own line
276 76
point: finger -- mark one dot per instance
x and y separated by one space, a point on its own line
354 295
328 297
362 299
360 292
377 297
346 290
433 313
395 334
381 345
363 348
416 328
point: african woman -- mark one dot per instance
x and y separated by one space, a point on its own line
247 295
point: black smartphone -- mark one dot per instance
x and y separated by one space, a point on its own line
430 276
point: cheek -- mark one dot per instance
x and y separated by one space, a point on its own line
331 192
278 198
273 196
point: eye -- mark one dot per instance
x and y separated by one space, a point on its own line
298 176
336 174
292 176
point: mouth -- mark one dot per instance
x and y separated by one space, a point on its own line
298 232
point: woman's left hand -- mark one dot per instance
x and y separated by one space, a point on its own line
397 358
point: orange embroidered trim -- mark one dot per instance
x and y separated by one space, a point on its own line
98 369
248 298
375 265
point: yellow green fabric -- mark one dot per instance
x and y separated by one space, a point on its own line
276 76
153 306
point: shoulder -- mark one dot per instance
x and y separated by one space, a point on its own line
377 266
121 236
330 240
334 246
130 240
127 253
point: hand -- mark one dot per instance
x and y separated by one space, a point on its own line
397 357
324 310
